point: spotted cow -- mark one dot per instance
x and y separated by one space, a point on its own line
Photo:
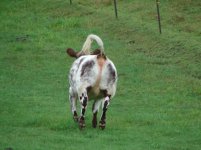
92 76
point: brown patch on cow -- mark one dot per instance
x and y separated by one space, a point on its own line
105 93
96 52
112 74
112 71
81 60
87 67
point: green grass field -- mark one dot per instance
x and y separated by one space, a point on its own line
158 101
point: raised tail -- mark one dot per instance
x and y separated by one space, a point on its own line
86 49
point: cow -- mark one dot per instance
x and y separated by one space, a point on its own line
92 76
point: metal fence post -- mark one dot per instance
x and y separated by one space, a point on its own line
159 18
115 8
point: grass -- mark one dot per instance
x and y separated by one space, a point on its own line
157 105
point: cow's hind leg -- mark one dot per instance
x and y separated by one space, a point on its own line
72 99
105 104
83 100
95 110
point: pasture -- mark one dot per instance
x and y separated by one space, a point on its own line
158 101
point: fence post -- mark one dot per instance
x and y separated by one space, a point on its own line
159 18
115 8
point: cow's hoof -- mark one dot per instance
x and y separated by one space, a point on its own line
75 118
102 125
81 123
82 126
94 123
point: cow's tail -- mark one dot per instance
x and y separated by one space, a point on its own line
86 49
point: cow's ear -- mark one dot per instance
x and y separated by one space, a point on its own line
71 52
